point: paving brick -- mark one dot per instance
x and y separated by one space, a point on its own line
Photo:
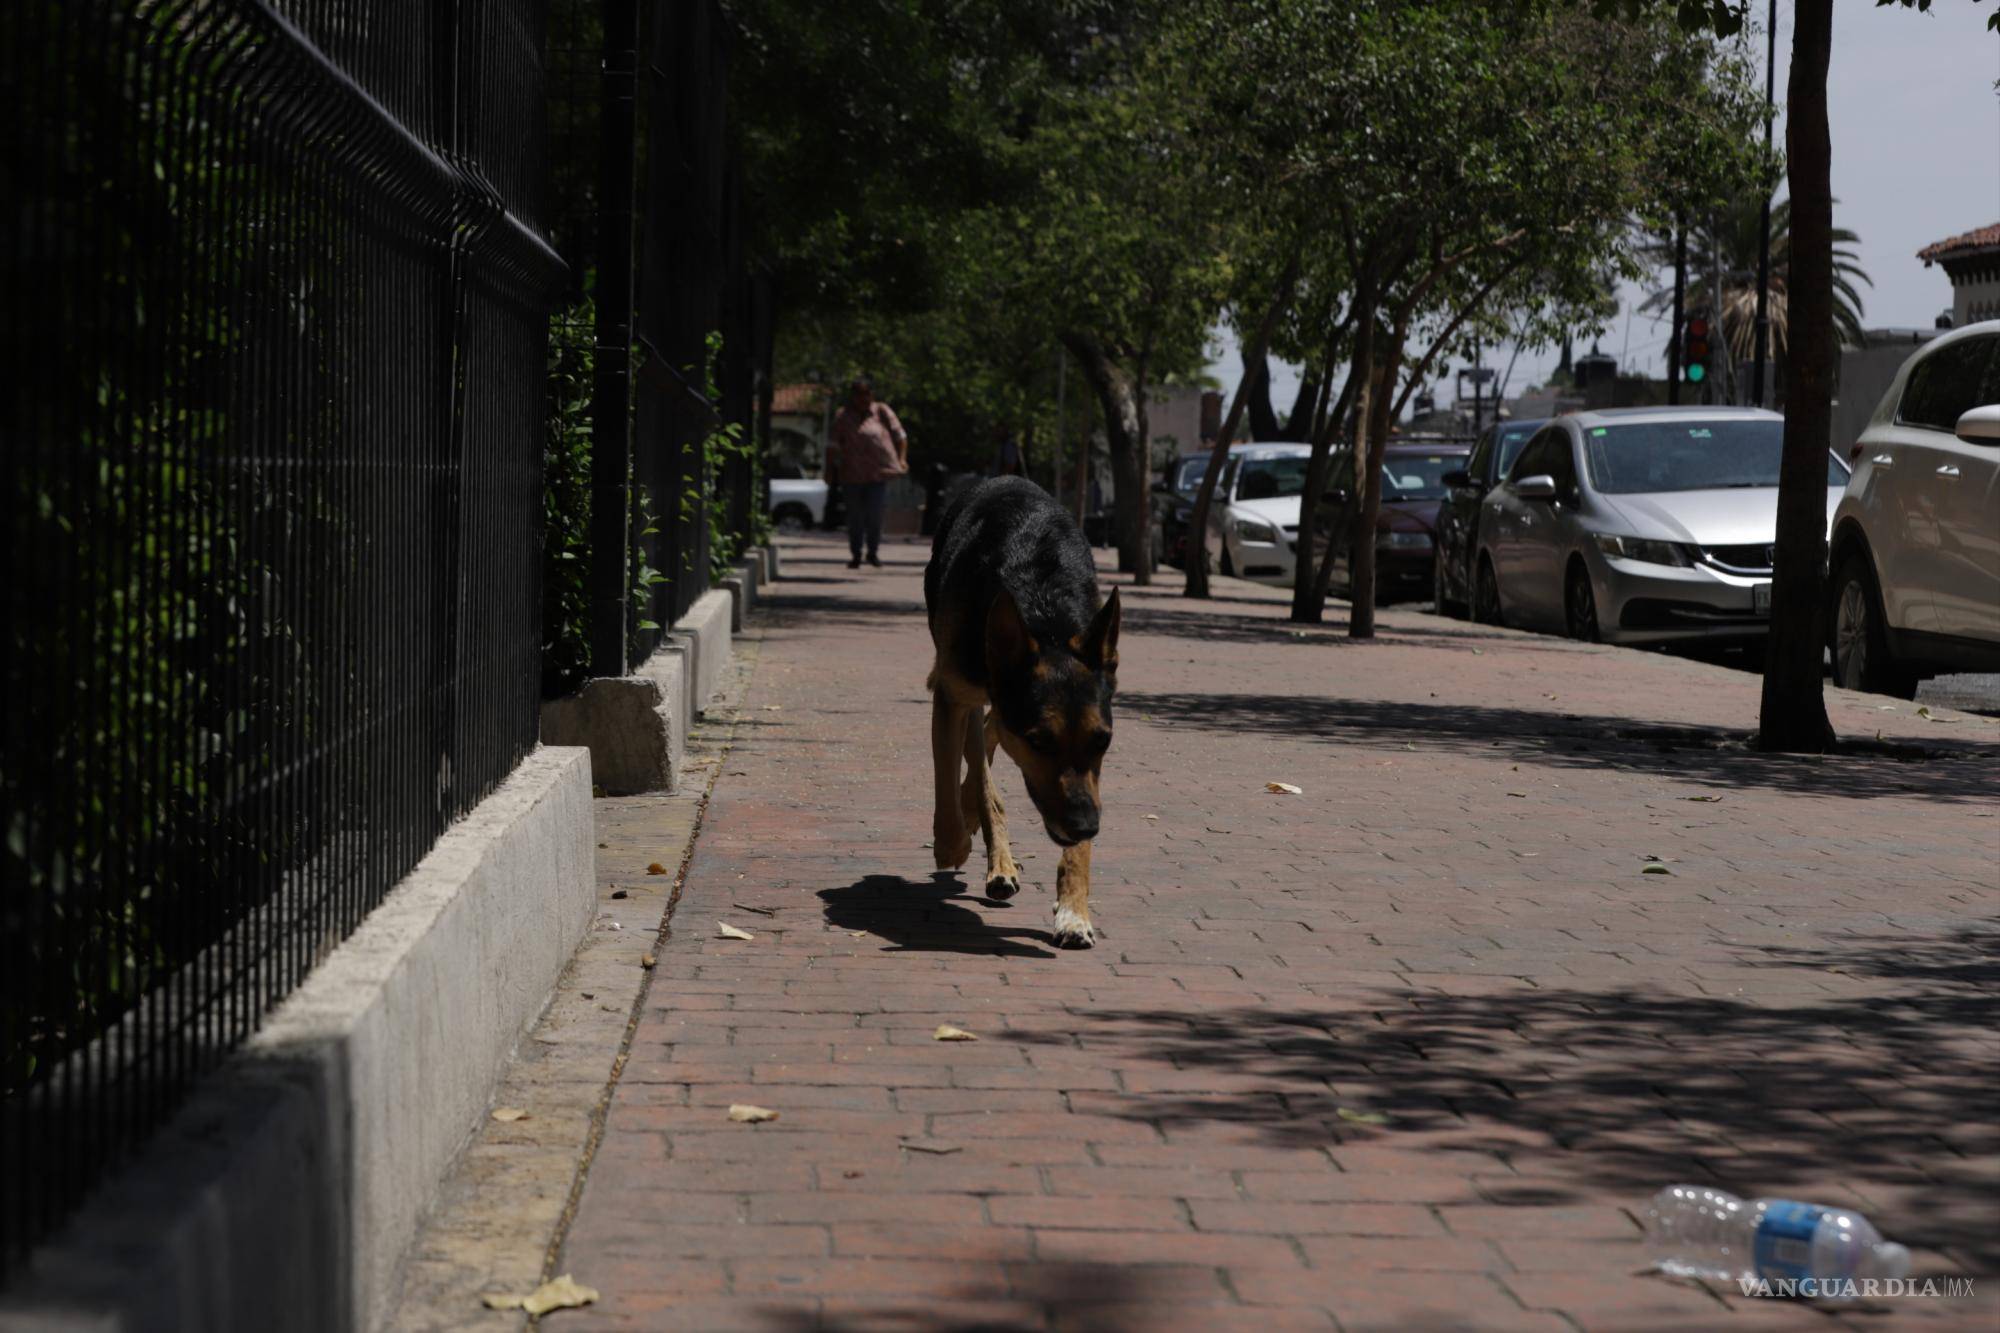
1550 1034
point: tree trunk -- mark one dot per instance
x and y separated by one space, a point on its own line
1309 579
1197 548
1793 715
1124 419
1135 520
1257 383
1299 422
1372 432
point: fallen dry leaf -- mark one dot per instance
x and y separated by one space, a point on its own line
856 934
1362 1117
729 932
656 869
647 961
1923 712
1655 868
1151 818
1283 789
505 1114
934 1149
1708 799
745 1114
774 708
946 1032
562 1293
1521 794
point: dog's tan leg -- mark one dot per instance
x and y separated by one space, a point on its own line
980 798
1073 926
950 841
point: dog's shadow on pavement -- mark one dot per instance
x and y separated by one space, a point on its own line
929 916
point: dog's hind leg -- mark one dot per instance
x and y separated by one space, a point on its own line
950 841
1073 926
980 798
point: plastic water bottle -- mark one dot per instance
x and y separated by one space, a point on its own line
1801 1249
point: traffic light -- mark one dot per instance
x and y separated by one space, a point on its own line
1694 351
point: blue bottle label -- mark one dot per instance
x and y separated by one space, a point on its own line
1783 1248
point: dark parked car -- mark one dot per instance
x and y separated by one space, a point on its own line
1458 515
1413 490
1173 505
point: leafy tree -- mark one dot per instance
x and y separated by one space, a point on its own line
1727 241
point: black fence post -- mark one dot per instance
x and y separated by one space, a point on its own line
611 382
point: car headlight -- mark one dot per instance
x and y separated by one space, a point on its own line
1643 549
1251 530
1407 540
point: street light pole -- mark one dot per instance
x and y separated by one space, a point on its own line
1764 232
1680 297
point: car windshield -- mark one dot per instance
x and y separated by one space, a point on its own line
1642 457
1269 478
1511 440
1418 476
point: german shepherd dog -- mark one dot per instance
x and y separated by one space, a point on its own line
1012 594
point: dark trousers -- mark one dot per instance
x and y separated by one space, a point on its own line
865 502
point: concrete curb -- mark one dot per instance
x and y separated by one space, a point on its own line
287 1189
636 726
705 628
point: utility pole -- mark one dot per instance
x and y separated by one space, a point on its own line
1680 296
1764 232
1478 387
1722 388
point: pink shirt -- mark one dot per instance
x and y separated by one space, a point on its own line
864 445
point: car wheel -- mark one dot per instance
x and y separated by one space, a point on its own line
793 520
1861 659
1486 596
1580 605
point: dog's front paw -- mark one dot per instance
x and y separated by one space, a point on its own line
1074 930
1002 886
952 849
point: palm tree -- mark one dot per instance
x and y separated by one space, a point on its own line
1728 241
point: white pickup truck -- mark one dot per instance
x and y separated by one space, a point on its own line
797 503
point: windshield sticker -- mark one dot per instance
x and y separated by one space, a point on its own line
1700 433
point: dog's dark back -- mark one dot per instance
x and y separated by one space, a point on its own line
1006 532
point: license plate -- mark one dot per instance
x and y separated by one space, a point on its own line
1760 598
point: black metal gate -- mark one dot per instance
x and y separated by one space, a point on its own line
276 317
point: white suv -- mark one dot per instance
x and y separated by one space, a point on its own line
1916 538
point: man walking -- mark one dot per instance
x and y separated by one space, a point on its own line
868 447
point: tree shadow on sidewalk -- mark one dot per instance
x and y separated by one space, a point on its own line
925 916
1883 1097
1941 771
1025 1296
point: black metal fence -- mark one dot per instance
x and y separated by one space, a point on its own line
646 216
276 320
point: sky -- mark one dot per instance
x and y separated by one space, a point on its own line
1916 158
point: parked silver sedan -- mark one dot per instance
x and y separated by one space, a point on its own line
1639 525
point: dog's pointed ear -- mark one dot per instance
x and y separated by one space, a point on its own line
1008 643
1100 643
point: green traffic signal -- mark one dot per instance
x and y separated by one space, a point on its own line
1696 373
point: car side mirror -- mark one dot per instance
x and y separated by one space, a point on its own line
1458 476
1541 486
1980 426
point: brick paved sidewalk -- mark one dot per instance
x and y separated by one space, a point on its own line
1408 1051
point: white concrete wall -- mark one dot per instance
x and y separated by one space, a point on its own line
284 1193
